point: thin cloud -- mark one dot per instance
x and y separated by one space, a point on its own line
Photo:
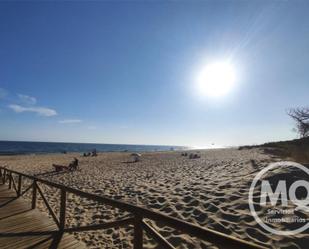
91 127
42 111
69 121
26 99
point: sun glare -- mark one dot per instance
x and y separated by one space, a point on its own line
216 79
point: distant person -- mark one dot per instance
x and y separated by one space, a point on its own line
74 164
94 152
86 154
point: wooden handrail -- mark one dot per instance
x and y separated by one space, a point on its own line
34 193
138 232
26 190
51 211
221 240
10 181
63 199
14 184
19 185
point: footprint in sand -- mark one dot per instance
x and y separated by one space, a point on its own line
257 235
211 207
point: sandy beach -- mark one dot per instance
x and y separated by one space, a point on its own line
211 191
197 110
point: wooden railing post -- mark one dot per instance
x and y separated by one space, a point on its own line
34 190
138 232
4 176
10 180
62 209
19 185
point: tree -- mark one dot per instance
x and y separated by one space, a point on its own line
301 117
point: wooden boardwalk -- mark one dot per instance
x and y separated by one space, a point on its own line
23 227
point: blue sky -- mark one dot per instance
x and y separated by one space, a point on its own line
124 72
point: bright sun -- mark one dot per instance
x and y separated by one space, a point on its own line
216 79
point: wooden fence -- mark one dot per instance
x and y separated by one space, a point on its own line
137 217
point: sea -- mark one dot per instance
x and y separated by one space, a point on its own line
17 147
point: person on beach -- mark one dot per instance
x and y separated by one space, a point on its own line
94 152
74 164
